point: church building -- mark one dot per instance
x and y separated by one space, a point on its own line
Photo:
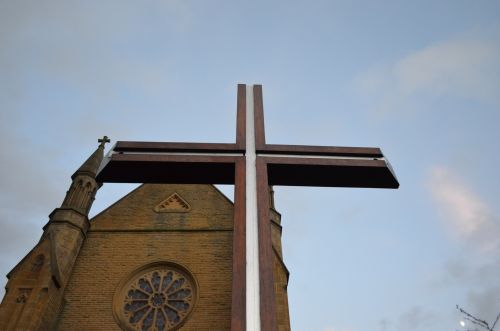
159 259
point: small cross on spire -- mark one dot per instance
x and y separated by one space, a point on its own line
103 141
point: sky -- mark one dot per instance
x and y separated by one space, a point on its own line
419 79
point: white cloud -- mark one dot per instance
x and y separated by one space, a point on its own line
459 67
464 213
468 68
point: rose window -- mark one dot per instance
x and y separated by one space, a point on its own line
157 297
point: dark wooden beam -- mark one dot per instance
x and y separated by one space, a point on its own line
158 168
175 147
372 152
330 172
238 302
266 257
241 109
258 103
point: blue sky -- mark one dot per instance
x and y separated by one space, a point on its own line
420 79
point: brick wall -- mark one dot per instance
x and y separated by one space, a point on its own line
131 234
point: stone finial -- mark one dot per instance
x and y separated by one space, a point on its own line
103 141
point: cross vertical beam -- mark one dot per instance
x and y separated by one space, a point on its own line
252 225
239 288
238 301
266 257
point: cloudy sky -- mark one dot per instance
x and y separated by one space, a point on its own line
420 79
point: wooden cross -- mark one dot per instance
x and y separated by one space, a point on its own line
251 165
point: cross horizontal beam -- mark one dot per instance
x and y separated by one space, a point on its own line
329 172
181 164
165 168
175 147
372 152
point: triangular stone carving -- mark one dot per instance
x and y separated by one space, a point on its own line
173 204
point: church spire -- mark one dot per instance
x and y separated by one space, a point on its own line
81 194
91 165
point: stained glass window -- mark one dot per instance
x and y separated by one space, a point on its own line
157 297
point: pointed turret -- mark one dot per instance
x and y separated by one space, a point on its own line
81 194
90 167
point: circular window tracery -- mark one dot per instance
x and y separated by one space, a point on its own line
156 297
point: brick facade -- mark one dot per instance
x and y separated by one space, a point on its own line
131 234
124 237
